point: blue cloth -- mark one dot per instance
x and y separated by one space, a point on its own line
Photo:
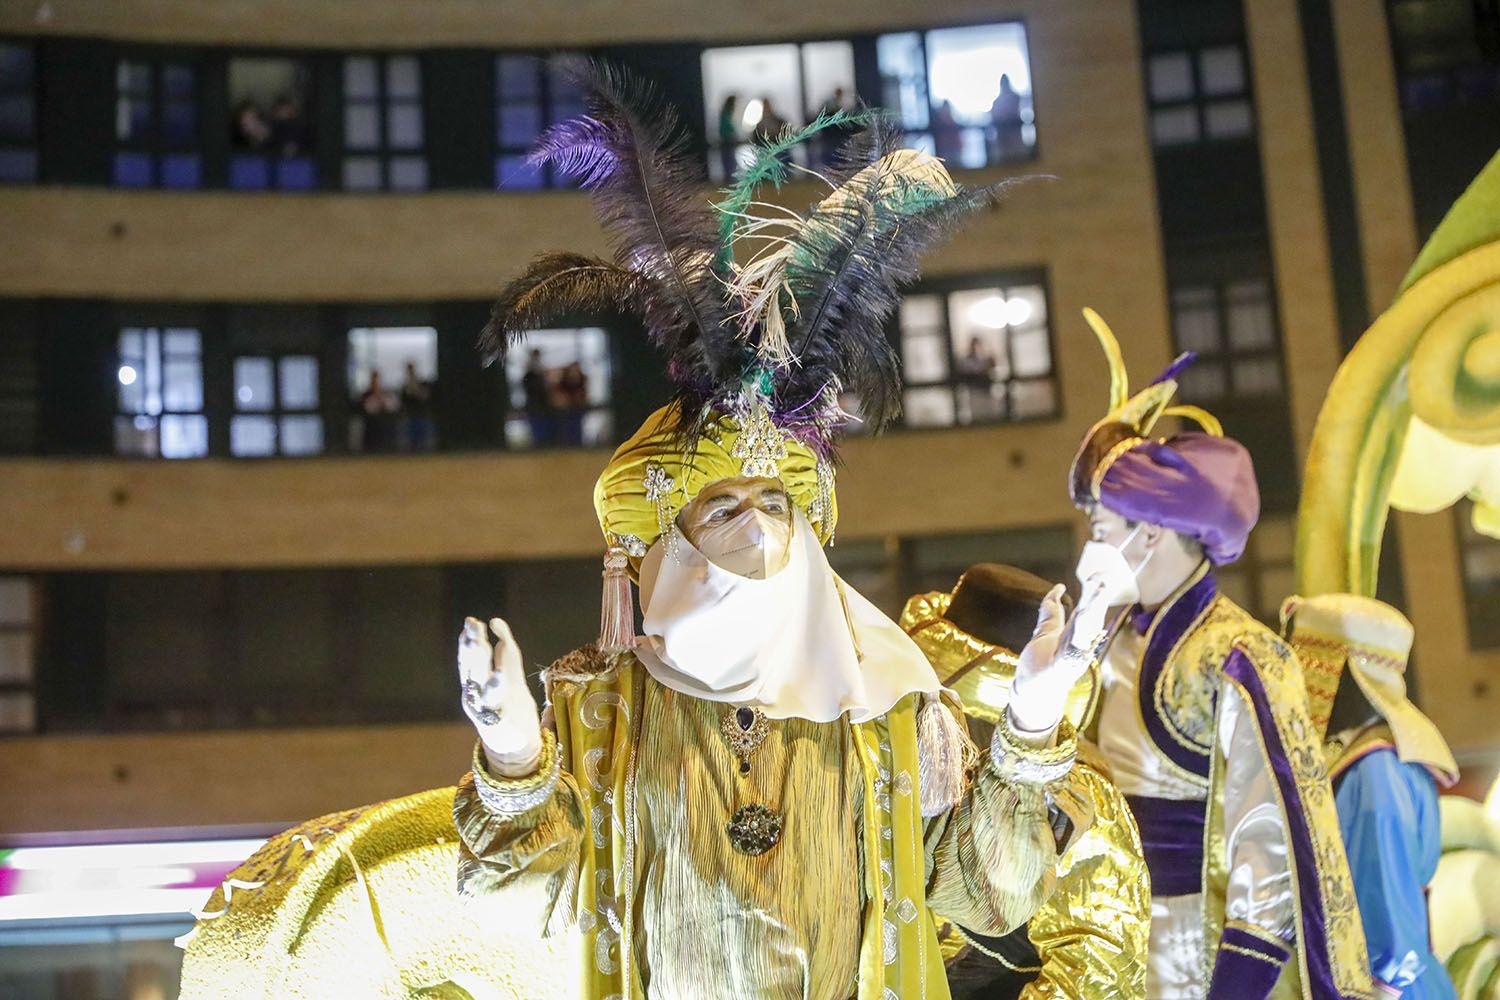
1388 814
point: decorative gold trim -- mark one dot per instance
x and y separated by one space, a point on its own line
1109 459
994 954
1252 953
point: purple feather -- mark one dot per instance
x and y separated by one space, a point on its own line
580 147
1176 368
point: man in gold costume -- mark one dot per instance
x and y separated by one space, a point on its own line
767 794
1088 939
1204 718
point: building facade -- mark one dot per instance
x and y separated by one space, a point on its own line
233 553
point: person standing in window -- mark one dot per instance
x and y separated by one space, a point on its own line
540 412
378 410
1005 119
977 371
416 410
947 135
288 128
248 130
573 401
729 134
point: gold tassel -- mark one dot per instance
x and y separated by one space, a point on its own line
617 611
945 755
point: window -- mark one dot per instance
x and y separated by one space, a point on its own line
17 655
531 94
383 129
392 377
156 125
270 131
560 389
1481 562
751 91
962 93
17 113
1232 327
160 410
1264 576
1448 52
977 355
275 406
1199 95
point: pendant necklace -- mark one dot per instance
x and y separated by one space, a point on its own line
753 829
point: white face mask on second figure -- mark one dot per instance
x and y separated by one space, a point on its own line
1107 577
752 544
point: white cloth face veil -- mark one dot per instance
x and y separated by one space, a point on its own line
796 643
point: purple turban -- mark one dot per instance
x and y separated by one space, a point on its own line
1197 485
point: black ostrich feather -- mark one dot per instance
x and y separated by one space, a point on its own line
630 153
852 258
554 287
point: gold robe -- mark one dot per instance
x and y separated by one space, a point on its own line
631 846
1091 934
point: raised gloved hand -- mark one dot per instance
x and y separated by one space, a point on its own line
1047 671
497 700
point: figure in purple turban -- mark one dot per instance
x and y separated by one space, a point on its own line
1203 718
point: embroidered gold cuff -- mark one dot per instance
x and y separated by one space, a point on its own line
1012 760
512 796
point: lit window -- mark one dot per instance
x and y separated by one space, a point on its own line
384 133
531 94
17 114
977 355
560 389
276 406
156 125
270 126
18 622
751 91
1198 95
1232 328
392 378
962 93
160 393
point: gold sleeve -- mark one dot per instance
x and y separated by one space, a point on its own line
992 859
523 831
1092 932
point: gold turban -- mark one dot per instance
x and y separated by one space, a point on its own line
652 476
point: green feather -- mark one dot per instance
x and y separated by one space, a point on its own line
768 167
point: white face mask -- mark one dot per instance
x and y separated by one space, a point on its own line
752 544
1108 581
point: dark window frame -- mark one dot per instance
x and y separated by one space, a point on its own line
161 329
316 153
992 160
1482 627
382 152
1199 101
1226 356
30 92
156 147
551 107
276 411
1000 281
30 630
